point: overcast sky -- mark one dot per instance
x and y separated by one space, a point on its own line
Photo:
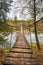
16 10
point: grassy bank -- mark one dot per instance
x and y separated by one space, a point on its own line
3 53
38 53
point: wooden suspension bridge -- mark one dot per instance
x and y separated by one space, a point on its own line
20 54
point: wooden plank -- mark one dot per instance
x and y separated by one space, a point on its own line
18 47
13 51
21 57
24 60
20 64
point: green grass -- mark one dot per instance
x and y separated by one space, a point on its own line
35 49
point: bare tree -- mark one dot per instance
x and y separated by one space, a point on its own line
34 11
37 41
4 8
33 7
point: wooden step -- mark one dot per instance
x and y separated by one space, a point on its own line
21 57
18 47
21 50
18 60
20 64
13 51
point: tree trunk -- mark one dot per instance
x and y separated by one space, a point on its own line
35 29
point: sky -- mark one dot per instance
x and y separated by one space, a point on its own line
17 10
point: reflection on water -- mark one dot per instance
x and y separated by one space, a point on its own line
9 39
40 37
12 40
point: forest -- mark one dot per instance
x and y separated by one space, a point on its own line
21 26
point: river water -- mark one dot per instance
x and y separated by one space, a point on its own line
31 38
11 39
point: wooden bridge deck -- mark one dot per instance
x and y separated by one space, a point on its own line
20 54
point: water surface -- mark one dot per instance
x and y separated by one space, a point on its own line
32 38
